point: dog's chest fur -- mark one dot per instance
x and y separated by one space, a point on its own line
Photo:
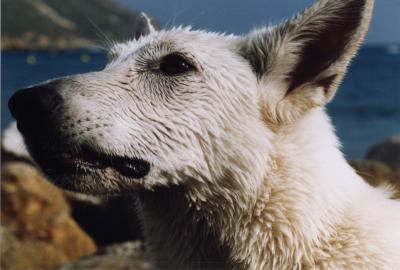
304 217
270 236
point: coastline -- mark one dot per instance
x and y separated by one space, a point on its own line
47 44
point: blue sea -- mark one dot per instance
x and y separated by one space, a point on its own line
366 109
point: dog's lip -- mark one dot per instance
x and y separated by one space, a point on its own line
88 160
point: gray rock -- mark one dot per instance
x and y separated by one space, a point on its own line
378 174
127 256
387 152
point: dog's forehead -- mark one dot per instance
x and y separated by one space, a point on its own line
180 39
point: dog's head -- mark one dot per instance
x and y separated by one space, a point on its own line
181 106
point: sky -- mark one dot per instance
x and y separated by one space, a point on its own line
240 16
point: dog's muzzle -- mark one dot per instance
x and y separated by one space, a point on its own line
38 111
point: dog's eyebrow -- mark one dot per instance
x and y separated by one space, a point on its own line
145 51
153 53
156 49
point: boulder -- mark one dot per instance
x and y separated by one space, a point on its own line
37 230
387 152
127 255
378 174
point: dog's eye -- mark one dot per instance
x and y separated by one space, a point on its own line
174 64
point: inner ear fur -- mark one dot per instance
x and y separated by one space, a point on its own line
331 32
307 55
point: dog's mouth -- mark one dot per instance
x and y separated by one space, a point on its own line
87 160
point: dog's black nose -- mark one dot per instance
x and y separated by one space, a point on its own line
33 107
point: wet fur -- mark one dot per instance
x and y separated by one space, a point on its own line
246 168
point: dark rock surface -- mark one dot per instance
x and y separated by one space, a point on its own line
378 174
387 152
106 220
127 256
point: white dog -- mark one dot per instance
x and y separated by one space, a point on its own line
226 144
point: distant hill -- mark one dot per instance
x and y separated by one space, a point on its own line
58 24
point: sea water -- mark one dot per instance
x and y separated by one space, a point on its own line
366 109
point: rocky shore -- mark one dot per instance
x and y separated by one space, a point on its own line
43 227
60 25
37 229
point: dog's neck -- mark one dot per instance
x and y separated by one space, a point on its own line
301 198
176 237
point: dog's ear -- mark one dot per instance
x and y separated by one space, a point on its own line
301 62
145 26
